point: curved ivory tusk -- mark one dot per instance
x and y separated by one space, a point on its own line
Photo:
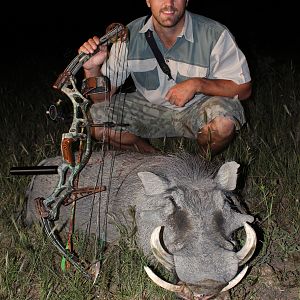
159 252
232 283
248 249
164 284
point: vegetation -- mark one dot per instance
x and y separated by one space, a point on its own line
267 149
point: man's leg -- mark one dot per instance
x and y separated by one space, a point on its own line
213 122
123 140
141 121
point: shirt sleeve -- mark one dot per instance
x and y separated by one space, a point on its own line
227 61
116 66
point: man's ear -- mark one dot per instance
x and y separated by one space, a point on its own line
148 3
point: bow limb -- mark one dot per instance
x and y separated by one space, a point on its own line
73 259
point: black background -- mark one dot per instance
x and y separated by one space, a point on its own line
57 27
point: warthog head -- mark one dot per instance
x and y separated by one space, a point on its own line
195 239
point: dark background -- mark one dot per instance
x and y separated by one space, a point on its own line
54 28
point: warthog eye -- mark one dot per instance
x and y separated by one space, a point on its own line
171 198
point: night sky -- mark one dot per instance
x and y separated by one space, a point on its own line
51 27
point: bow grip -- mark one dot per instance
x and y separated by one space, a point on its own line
66 150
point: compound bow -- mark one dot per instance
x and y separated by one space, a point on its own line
66 190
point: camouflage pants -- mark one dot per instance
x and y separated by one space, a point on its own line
148 120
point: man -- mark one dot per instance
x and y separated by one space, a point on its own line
199 100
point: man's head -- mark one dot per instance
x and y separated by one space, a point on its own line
167 13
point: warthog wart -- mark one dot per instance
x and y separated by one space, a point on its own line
183 215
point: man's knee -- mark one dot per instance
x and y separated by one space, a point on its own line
216 135
219 126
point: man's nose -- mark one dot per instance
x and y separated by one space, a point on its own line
169 2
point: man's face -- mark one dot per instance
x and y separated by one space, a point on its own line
167 13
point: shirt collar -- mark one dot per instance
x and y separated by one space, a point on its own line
187 30
147 26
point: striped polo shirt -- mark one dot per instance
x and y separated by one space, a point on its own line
205 48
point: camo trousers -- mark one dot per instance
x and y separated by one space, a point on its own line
148 120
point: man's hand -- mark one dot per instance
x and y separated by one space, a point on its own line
92 66
181 93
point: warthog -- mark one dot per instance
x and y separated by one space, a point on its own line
183 212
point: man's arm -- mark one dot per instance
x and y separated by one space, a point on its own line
98 96
184 91
222 87
92 68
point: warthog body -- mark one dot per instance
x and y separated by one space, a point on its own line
182 193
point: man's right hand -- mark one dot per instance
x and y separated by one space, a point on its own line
93 64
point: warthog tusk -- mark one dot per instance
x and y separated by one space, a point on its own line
183 290
232 283
164 284
248 249
159 252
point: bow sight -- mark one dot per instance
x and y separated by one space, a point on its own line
60 111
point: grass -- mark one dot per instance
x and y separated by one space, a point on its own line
267 149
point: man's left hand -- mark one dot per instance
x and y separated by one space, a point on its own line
181 93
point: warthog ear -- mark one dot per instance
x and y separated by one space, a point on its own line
227 176
153 184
